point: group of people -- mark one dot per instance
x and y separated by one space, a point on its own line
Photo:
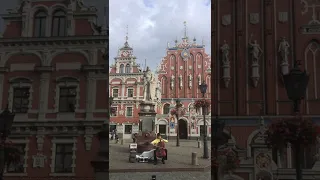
114 135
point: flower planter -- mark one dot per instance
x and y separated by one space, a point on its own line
202 103
292 130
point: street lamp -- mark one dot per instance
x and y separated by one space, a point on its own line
6 120
178 105
296 82
218 126
203 88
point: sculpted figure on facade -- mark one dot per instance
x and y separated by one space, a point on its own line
172 82
284 50
225 49
256 53
190 81
158 91
255 50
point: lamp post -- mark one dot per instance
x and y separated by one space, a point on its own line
203 88
6 120
178 105
296 82
218 127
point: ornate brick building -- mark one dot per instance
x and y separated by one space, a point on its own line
51 65
126 86
254 43
184 67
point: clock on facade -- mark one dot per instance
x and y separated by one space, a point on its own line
125 53
185 54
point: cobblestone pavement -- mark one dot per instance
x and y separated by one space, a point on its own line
161 176
178 158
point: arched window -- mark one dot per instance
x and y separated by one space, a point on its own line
59 23
128 68
166 109
121 68
40 24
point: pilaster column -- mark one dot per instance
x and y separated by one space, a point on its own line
289 156
91 91
1 88
44 95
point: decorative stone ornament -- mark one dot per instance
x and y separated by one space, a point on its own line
39 160
40 141
225 49
283 17
88 141
226 20
254 18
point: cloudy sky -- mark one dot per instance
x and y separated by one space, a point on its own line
154 23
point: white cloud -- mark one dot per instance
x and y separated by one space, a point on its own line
153 23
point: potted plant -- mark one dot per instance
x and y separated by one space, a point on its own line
293 130
202 103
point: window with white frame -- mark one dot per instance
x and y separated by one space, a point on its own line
122 68
114 111
20 99
63 158
40 23
130 92
128 129
115 92
128 68
20 95
59 23
129 111
67 95
18 167
67 99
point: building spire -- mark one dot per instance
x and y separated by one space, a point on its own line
127 36
126 44
185 29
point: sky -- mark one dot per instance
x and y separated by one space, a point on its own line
12 4
154 23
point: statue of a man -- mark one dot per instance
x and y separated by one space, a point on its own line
190 81
172 81
284 49
255 50
148 78
225 49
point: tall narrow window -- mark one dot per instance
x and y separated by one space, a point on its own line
128 68
121 68
21 100
67 99
166 109
40 24
63 159
59 24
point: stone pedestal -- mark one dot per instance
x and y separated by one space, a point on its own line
101 161
147 116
